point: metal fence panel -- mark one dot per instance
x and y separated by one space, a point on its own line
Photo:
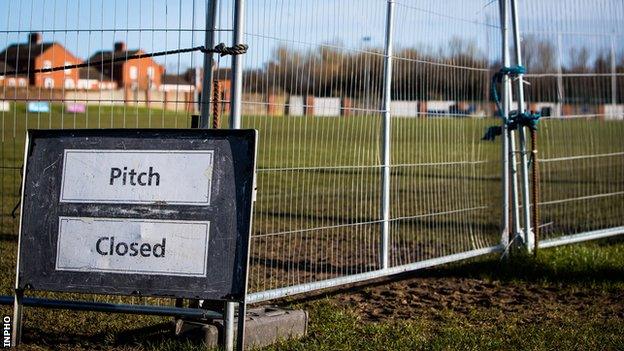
314 87
319 218
317 212
445 179
575 61
72 32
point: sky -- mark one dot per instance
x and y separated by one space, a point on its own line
86 26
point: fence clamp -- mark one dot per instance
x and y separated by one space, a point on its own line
516 119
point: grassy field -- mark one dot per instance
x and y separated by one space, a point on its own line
569 298
320 176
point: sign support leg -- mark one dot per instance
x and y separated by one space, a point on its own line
240 337
16 337
228 326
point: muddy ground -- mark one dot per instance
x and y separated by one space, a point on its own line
430 297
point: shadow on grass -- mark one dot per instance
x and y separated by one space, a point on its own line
8 237
598 263
311 266
594 262
159 336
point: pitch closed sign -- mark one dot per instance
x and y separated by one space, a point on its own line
138 212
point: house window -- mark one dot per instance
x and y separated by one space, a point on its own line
22 82
48 83
69 83
134 73
11 82
68 71
47 64
150 78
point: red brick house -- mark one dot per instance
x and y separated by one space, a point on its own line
35 55
11 80
143 74
90 78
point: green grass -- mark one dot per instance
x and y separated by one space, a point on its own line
341 330
323 172
593 271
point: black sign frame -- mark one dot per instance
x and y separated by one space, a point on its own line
230 212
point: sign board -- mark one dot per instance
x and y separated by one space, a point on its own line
5 106
74 107
38 107
147 212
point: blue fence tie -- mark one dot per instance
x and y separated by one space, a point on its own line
524 119
513 71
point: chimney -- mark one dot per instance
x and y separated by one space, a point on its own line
120 46
34 38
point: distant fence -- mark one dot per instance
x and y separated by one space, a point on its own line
167 100
370 114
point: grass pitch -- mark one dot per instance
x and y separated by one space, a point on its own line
318 176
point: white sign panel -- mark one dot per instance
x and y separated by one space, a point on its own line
137 177
129 246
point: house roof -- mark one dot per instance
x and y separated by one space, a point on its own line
92 73
19 55
175 79
107 55
25 50
5 68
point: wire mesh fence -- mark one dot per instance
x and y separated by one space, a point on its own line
314 97
575 62
443 175
159 92
330 135
319 80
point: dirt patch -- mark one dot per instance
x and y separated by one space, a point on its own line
432 297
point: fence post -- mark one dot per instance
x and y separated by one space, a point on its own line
237 66
526 204
560 92
613 76
209 42
504 15
386 135
235 123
